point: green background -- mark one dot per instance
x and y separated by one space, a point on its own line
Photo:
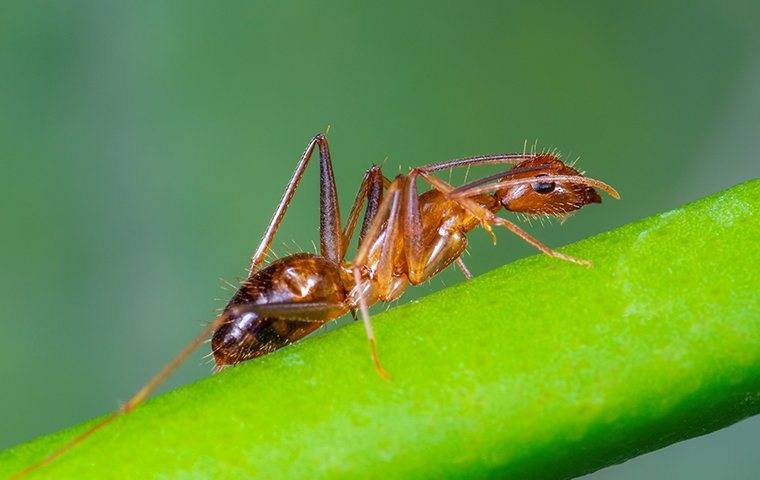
143 147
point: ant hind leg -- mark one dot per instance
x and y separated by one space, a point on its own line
330 234
465 271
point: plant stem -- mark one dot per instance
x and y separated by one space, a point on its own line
539 369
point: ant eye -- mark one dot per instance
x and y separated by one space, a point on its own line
543 187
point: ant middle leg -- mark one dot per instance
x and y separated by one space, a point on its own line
313 312
385 223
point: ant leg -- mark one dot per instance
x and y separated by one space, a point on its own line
314 312
488 218
413 230
374 197
384 222
418 260
392 230
465 271
370 189
364 310
330 235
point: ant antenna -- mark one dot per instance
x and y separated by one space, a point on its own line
327 129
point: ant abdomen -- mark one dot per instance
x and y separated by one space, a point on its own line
251 335
252 330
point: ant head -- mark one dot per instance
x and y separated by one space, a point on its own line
555 196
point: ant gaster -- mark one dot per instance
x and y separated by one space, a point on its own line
405 239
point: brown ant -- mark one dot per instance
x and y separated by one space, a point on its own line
405 238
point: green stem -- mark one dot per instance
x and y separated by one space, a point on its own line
539 369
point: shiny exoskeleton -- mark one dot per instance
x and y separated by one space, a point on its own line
298 278
405 239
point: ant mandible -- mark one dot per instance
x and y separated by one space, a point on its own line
405 239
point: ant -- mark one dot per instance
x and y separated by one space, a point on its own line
405 239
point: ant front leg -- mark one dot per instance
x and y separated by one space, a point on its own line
413 243
313 312
420 265
488 218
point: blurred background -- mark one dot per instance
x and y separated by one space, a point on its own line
144 146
